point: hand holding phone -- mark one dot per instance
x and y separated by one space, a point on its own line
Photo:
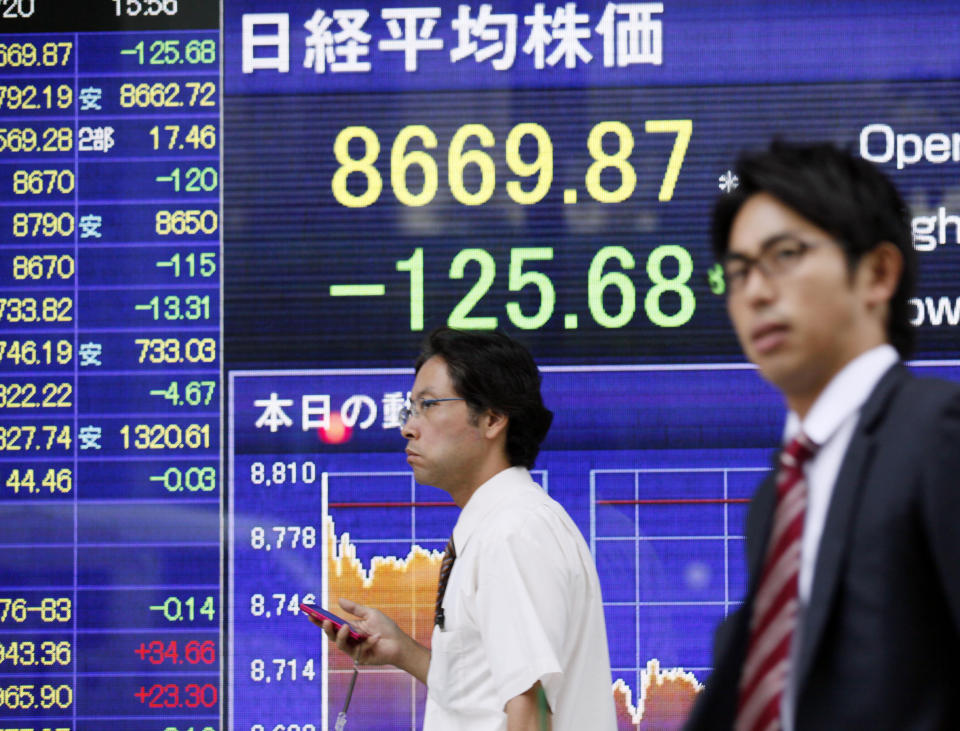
321 614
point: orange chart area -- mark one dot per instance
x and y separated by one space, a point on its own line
405 589
665 699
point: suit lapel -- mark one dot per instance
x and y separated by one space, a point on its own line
840 516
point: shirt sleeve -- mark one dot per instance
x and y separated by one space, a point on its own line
524 591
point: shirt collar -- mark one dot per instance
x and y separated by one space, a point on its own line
491 494
844 395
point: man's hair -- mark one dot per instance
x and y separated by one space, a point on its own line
844 195
492 371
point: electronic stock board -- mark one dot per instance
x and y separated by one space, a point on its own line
224 229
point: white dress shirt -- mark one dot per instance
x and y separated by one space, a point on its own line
829 424
522 605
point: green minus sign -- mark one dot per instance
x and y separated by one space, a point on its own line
357 290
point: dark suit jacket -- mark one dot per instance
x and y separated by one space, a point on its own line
880 642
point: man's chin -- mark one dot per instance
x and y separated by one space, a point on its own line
781 379
795 380
421 475
774 364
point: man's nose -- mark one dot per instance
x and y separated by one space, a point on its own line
758 285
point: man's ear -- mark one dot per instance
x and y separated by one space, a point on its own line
494 423
882 268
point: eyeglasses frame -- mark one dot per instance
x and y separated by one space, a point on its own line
410 409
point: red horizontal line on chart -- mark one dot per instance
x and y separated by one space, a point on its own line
450 504
390 504
677 501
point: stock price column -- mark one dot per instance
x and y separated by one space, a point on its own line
109 351
38 385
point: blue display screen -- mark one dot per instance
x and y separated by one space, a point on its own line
225 228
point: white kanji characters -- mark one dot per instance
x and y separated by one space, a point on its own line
277 37
568 33
319 42
392 402
324 46
540 36
499 30
408 39
634 39
90 436
350 41
273 414
353 407
90 354
567 27
90 97
90 224
95 139
315 411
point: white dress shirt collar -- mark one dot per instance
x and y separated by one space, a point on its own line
845 394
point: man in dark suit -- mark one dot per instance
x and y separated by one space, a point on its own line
852 614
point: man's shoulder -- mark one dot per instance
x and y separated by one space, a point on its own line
520 510
530 518
934 387
917 413
926 396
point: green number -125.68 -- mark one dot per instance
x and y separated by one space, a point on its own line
602 275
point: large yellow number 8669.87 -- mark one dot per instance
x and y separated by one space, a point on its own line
482 166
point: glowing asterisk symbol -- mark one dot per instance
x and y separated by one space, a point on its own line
715 278
729 182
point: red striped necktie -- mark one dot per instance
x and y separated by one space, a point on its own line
449 556
776 604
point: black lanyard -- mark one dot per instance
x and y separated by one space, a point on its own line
342 716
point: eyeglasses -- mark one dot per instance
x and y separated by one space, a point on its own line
777 258
411 409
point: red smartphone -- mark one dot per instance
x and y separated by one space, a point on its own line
316 612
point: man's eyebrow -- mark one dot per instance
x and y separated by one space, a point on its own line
777 238
768 242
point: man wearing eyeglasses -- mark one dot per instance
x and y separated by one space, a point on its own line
519 640
852 613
